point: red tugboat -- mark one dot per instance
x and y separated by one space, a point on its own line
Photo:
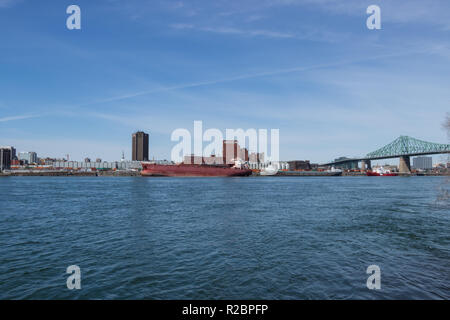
381 172
194 170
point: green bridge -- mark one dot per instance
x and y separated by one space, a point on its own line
403 148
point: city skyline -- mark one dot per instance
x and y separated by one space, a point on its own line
312 70
140 152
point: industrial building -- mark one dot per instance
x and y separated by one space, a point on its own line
230 149
256 157
300 165
230 152
119 165
423 163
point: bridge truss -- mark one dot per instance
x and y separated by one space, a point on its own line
405 146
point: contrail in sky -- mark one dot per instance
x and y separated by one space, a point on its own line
253 75
12 118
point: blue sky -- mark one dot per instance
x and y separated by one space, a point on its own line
309 68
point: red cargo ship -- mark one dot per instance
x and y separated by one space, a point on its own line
192 170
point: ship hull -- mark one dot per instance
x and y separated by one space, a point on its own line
191 170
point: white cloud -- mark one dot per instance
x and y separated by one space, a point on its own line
236 31
21 117
435 12
8 3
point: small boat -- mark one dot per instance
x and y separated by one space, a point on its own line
334 170
381 172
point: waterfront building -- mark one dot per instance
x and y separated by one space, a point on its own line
5 158
87 160
81 165
423 163
193 159
17 163
314 166
243 154
139 147
98 160
253 157
230 152
230 149
280 165
29 157
48 161
299 165
256 157
212 160
12 151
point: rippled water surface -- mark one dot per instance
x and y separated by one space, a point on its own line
224 238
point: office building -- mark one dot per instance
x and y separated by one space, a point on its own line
28 157
12 151
5 158
139 148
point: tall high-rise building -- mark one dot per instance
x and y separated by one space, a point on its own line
12 151
423 163
139 147
5 158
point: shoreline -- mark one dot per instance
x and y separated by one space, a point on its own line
137 174
71 174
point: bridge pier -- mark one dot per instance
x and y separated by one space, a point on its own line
365 165
404 165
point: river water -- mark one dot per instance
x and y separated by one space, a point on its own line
224 238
